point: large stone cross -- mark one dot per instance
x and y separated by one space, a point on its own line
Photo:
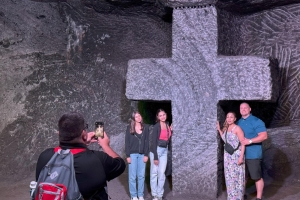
195 79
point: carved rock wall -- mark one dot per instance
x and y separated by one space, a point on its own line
273 33
58 57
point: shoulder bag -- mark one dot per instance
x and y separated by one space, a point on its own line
228 147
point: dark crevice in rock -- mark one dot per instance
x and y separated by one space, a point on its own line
131 8
251 6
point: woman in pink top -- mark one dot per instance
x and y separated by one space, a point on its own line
159 154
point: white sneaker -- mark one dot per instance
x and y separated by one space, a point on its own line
134 198
141 198
155 198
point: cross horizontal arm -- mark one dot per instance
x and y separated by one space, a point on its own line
245 78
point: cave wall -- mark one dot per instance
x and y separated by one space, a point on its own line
272 34
67 56
57 57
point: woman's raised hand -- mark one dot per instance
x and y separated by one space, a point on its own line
218 126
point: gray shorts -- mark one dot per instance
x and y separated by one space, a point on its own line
253 167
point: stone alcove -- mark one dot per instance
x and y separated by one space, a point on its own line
148 111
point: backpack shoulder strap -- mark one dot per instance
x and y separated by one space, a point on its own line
73 151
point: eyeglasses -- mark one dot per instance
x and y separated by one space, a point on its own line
86 127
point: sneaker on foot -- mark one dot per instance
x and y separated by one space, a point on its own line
134 198
155 198
141 198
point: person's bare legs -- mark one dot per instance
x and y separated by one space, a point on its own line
259 188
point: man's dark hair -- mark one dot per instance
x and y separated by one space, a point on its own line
70 126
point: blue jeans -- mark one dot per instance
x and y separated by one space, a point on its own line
157 172
136 172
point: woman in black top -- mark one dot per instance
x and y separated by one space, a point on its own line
137 150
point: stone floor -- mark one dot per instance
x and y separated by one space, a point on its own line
118 190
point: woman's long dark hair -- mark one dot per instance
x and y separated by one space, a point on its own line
132 122
158 111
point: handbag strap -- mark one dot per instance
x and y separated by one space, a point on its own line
226 135
226 140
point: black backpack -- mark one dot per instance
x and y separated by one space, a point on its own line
57 179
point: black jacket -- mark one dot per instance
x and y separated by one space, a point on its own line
135 145
92 169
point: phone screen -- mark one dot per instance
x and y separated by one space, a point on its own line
99 129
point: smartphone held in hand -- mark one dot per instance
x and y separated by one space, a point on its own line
99 130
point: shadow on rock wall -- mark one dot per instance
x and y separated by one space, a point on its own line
276 166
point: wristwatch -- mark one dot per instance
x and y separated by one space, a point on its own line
250 141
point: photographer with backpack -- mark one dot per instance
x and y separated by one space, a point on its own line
92 168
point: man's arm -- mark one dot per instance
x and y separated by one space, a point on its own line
104 143
113 164
262 136
113 167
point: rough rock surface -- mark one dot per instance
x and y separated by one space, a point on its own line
281 153
272 33
267 34
58 57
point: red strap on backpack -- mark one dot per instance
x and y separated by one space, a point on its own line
73 151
